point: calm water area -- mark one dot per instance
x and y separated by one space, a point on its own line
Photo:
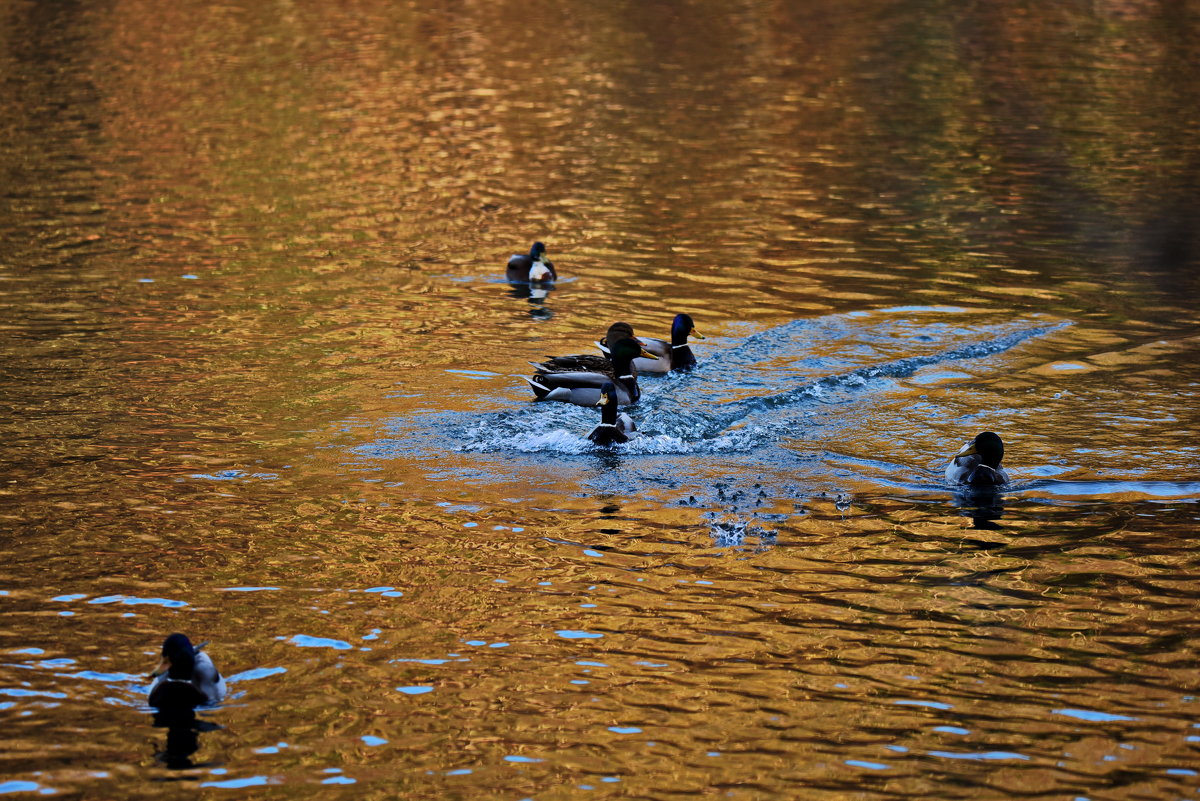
260 383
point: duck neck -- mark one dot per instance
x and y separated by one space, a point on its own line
182 668
608 412
679 334
624 373
990 457
682 357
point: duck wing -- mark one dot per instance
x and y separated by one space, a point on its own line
660 366
659 347
518 267
208 680
961 467
573 379
581 389
583 362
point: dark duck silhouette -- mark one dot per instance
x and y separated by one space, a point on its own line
614 426
584 387
531 268
186 678
978 462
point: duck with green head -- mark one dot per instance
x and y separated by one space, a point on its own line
978 462
614 426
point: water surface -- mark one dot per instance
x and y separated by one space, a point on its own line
258 358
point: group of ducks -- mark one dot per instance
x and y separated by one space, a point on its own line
610 380
187 678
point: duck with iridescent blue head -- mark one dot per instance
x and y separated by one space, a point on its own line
672 355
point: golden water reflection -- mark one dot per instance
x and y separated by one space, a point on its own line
255 335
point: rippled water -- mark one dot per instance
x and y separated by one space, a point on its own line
258 360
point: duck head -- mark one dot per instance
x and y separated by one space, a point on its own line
538 270
681 328
989 447
616 332
178 658
622 354
608 403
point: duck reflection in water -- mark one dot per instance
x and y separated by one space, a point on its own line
185 679
984 505
531 276
536 295
183 737
978 477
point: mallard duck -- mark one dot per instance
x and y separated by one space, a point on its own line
673 355
186 677
589 362
583 388
533 268
978 462
614 426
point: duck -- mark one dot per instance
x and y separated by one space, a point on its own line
978 462
531 268
589 362
673 355
584 388
186 678
614 427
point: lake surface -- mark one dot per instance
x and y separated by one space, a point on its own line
257 360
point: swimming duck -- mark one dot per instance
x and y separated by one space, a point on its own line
614 426
533 268
584 388
186 677
589 362
673 355
978 462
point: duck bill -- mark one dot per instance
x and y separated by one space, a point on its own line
645 354
603 399
968 451
162 668
696 334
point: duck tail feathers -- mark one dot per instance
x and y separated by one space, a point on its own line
540 390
